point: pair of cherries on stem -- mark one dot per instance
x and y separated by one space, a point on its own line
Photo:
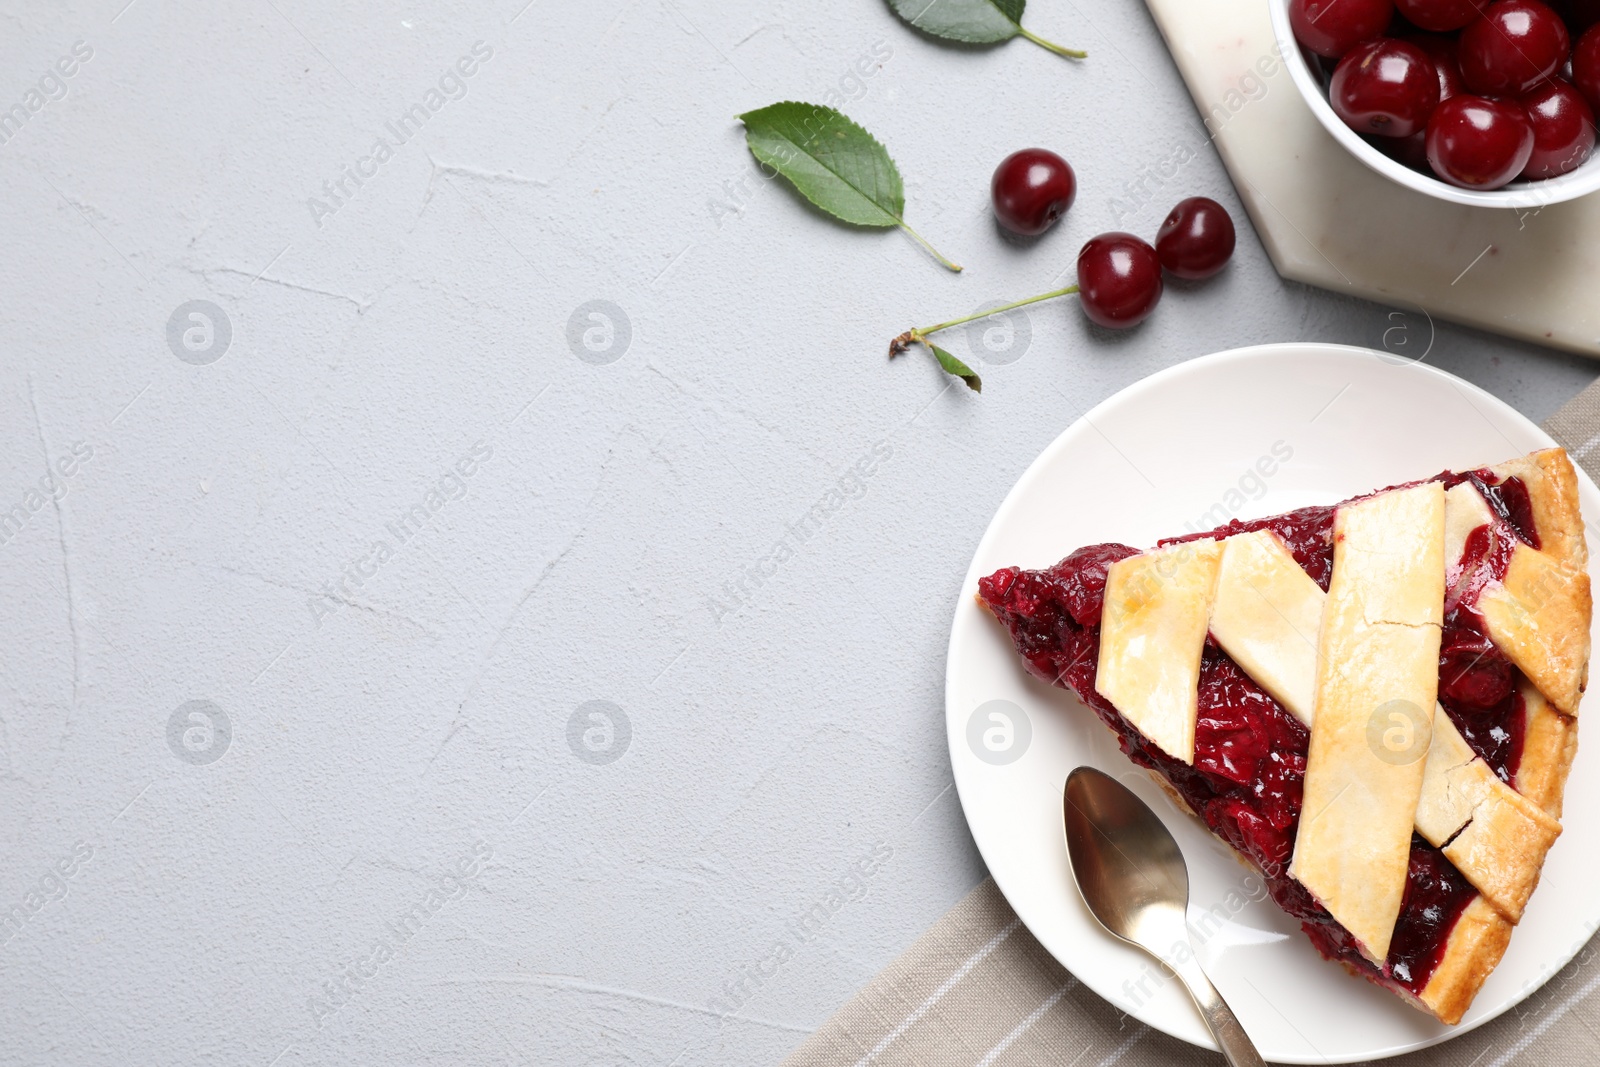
1119 275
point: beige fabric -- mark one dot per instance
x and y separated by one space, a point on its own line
978 991
1576 428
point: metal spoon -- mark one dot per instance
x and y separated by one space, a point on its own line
1133 878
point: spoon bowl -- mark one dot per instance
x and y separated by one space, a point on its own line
1124 859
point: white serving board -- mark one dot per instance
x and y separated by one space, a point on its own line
1329 221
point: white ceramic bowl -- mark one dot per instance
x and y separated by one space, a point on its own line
1580 182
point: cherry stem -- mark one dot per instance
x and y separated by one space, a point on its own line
1070 53
921 334
932 251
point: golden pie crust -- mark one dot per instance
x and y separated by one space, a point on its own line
1378 663
1152 633
1477 941
1549 745
1539 615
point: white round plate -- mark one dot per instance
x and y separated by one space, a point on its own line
1245 433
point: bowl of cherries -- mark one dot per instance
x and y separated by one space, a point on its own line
1483 102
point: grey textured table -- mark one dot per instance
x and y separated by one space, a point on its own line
310 588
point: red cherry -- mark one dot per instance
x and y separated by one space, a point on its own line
1440 16
1514 46
1442 50
1387 87
1197 238
1333 27
1478 143
1563 129
1031 189
1119 280
1586 67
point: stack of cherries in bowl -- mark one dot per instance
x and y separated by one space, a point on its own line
1479 93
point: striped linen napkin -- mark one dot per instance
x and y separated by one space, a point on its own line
978 991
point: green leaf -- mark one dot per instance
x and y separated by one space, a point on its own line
952 365
835 164
972 21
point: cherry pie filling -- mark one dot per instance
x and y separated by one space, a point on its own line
1250 753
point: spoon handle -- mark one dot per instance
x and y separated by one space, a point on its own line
1236 1045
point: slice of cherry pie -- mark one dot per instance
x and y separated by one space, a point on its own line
1373 702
